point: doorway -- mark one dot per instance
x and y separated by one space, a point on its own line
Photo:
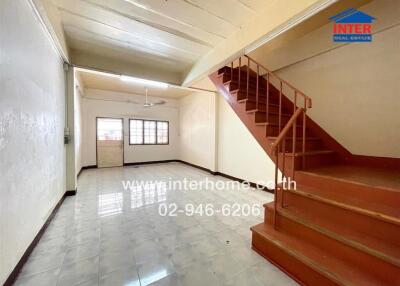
110 142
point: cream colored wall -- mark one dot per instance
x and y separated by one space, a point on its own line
32 152
78 126
198 129
213 136
101 103
51 18
239 154
355 87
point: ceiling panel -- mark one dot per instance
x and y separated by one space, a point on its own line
84 14
168 24
236 16
96 45
101 82
184 12
171 33
105 34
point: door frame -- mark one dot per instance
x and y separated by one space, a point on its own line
123 139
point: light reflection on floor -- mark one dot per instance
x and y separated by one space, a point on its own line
106 235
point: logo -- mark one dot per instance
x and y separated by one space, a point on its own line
352 26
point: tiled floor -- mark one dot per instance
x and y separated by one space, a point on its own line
106 235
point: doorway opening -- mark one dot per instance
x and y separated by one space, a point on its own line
110 142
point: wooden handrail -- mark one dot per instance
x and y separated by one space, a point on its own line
287 127
309 101
279 147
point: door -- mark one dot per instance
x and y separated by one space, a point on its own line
110 142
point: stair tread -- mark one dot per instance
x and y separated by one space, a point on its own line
297 138
274 124
316 258
373 209
377 177
310 153
373 246
261 103
271 112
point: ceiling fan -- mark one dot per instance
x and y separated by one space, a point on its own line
148 104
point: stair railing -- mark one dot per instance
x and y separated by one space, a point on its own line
279 146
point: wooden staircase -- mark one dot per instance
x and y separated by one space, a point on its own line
341 224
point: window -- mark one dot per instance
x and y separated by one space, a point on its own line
109 129
148 132
136 131
162 132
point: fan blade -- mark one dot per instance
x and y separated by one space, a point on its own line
159 103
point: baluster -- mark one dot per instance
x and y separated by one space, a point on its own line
240 65
283 162
294 145
294 133
276 184
280 106
304 134
258 74
232 71
283 167
248 77
267 107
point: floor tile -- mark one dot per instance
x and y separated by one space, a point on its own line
79 272
48 278
108 236
127 276
155 270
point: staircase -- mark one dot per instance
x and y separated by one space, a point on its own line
341 224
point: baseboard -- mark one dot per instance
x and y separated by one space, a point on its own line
17 269
71 193
89 167
253 185
149 162
196 166
85 168
371 161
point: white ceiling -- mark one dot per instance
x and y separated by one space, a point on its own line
169 34
98 81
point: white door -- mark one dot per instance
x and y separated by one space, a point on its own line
110 142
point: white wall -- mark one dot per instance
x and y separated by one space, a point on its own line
32 164
354 87
198 129
239 154
101 103
78 132
213 136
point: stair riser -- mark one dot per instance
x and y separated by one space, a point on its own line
384 271
361 223
288 263
242 94
251 105
310 145
272 130
367 192
260 117
310 161
252 80
234 85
